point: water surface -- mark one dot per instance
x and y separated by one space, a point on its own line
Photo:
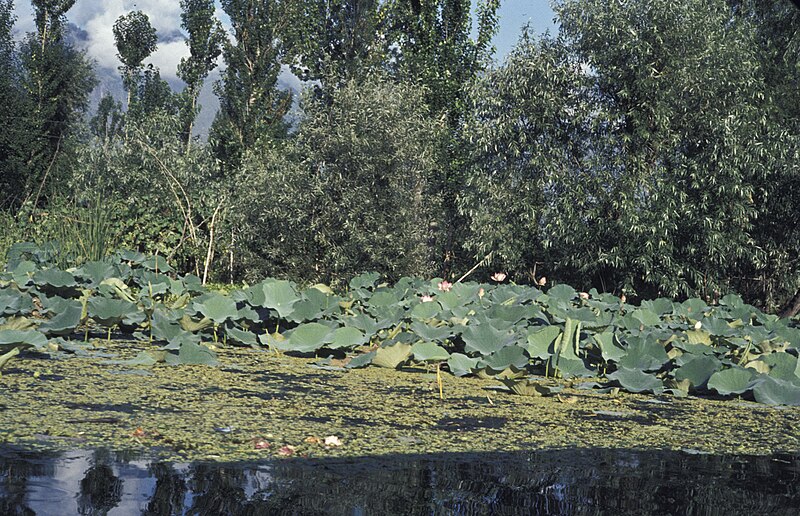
545 482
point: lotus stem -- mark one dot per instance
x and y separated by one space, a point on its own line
439 380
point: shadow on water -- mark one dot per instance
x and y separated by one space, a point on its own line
545 482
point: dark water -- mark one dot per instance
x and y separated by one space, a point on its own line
553 482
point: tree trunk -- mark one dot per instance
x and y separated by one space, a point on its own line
793 307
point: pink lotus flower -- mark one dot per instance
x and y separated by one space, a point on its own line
426 298
583 295
481 293
542 281
445 286
499 277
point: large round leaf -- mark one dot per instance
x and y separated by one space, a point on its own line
429 352
637 381
773 391
307 338
484 339
21 338
735 380
218 308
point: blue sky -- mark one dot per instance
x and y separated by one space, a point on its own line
97 18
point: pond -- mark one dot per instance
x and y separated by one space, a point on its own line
566 481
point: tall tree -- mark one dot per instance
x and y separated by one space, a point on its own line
136 39
435 46
334 41
205 45
12 113
251 105
57 80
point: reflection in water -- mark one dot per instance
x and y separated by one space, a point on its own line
546 482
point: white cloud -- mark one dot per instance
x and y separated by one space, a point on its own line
97 19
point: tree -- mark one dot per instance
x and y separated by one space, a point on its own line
12 114
633 149
251 106
335 41
57 80
433 45
135 39
206 37
353 191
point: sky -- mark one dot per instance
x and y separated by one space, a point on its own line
97 18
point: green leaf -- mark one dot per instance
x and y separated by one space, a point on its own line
483 339
698 370
773 391
21 338
461 365
425 310
392 355
540 341
278 295
239 336
218 308
644 354
506 357
196 354
637 381
362 360
65 322
307 338
428 351
346 337
735 380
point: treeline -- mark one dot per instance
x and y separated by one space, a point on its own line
649 148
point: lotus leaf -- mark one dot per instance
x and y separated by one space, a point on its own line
15 303
22 273
391 355
568 367
346 337
528 387
432 333
10 339
644 354
366 280
218 308
65 322
736 380
383 297
646 317
425 311
461 365
773 391
95 272
306 338
484 339
239 336
610 349
660 306
111 312
195 354
637 381
278 295
541 341
698 337
156 263
18 323
164 328
697 370
192 325
783 366
562 292
506 357
362 360
429 352
363 322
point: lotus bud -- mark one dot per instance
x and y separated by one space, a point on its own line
698 325
542 281
583 295
499 277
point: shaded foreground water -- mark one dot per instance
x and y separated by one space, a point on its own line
573 481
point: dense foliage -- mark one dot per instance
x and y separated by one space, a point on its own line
649 148
520 335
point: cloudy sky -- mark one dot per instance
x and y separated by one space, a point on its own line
97 18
